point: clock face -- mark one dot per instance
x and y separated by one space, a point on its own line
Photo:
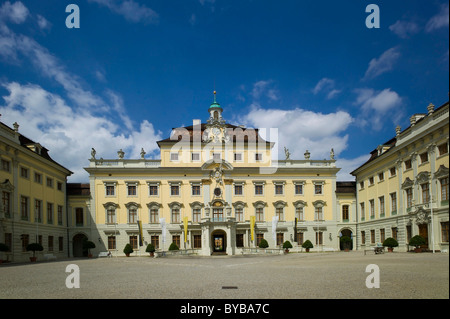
216 131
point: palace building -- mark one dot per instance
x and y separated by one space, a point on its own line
34 202
402 190
216 189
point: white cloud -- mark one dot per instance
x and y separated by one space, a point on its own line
263 89
43 23
404 29
375 105
16 12
349 165
383 64
440 20
130 10
69 133
300 130
326 85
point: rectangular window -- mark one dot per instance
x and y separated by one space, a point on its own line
408 233
60 215
111 242
110 216
60 243
298 189
258 157
279 189
280 239
132 216
279 213
24 172
5 165
195 157
110 190
393 203
25 241
49 182
6 201
444 232
372 208
299 213
153 190
361 185
197 241
259 237
259 214
425 193
174 156
132 190
443 149
259 190
424 158
49 213
345 213
175 215
409 197
38 210
195 190
381 201
318 189
196 215
393 171
372 236
79 216
154 216
59 186
363 238
238 190
38 178
381 176
371 180
300 238
237 157
174 190
239 214
319 238
382 235
318 213
363 211
155 241
408 164
216 156
394 233
176 240
444 188
24 208
134 241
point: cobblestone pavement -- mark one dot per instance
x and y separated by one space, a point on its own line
294 276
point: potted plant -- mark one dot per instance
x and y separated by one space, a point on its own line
346 242
263 243
307 245
3 248
173 246
150 249
286 245
128 250
417 241
88 245
34 247
390 243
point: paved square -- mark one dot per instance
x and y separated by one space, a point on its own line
294 276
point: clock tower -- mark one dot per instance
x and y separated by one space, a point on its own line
215 125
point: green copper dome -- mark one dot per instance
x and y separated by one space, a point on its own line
215 104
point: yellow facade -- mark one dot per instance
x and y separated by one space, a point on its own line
400 180
33 190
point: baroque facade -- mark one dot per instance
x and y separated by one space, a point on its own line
216 189
402 190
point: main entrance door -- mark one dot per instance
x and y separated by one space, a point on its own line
219 244
423 232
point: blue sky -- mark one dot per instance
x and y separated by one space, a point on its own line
135 69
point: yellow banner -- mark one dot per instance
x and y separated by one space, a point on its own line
185 222
252 227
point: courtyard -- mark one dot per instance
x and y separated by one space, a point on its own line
337 275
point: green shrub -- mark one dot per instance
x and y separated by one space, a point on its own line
150 248
173 246
128 249
263 243
287 244
34 247
417 241
88 244
390 242
307 244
